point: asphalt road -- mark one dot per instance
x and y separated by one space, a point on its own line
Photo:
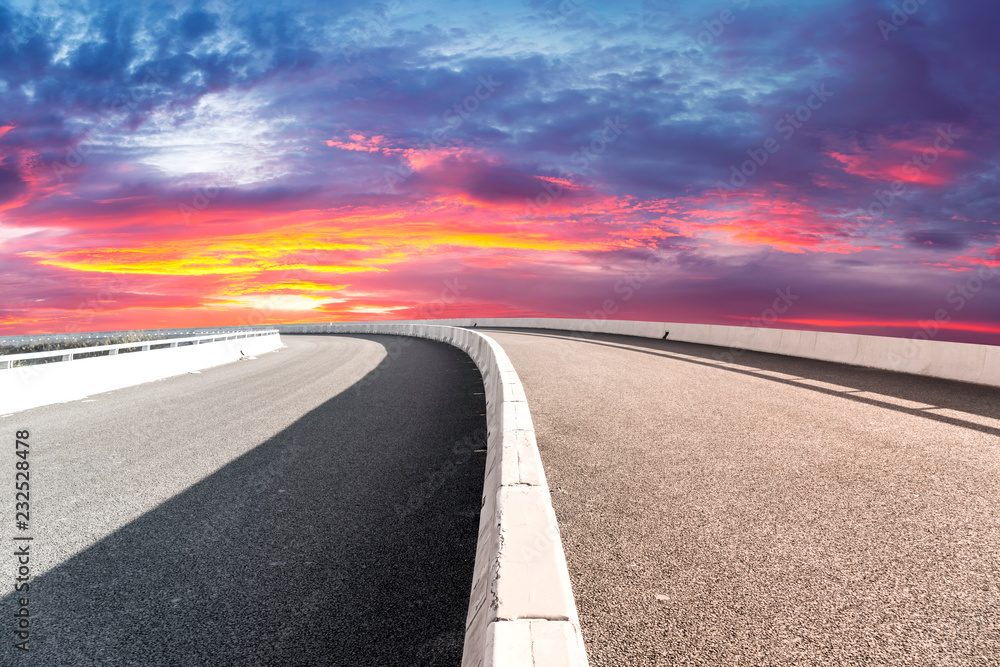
768 511
317 505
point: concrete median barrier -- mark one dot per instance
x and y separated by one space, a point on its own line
521 608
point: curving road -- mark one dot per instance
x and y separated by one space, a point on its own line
767 510
317 505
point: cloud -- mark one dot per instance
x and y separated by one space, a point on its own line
360 154
195 24
939 239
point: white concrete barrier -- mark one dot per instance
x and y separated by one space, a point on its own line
521 609
25 387
966 362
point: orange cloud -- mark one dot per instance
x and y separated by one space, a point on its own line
358 142
773 219
929 158
246 254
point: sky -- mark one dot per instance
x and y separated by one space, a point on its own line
821 164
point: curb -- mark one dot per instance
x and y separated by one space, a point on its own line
521 609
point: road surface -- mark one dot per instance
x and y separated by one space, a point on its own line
766 510
317 505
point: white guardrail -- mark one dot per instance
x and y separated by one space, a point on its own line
521 609
76 373
68 354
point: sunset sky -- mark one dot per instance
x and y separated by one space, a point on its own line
167 164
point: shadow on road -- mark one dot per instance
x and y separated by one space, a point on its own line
855 383
346 539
